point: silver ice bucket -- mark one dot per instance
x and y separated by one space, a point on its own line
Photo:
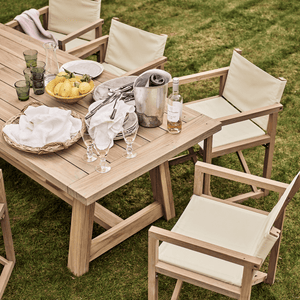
150 100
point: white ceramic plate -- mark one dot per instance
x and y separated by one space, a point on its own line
101 91
80 67
131 125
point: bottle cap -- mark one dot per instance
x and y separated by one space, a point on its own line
176 80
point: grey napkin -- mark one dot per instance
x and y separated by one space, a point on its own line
156 80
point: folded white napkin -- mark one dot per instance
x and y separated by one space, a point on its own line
31 24
43 125
102 129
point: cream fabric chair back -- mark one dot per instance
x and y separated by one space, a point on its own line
129 47
66 16
265 240
239 89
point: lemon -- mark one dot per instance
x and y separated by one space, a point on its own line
74 92
57 88
65 89
51 86
84 88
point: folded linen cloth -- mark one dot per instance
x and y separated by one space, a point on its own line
43 125
31 24
102 129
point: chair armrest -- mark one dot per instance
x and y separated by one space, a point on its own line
95 25
238 176
205 248
157 63
90 47
44 10
202 76
250 114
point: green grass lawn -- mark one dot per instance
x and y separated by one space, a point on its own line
202 35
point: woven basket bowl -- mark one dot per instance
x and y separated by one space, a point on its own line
69 100
48 148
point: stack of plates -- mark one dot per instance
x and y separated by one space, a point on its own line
132 123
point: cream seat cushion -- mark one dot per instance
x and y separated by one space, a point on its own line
249 87
68 16
70 45
218 107
129 47
219 224
112 69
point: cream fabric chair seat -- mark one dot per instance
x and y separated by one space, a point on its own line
112 69
223 225
70 45
218 107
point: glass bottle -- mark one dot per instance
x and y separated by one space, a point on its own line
174 122
51 68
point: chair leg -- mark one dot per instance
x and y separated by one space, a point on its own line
269 151
275 252
177 290
246 284
207 157
245 167
152 260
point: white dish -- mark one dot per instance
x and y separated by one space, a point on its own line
80 67
131 123
101 91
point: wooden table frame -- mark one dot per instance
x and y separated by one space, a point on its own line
76 182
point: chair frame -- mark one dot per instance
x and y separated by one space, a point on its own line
100 44
250 263
10 259
44 14
268 140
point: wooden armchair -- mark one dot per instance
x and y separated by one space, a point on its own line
217 244
10 259
126 50
71 26
247 106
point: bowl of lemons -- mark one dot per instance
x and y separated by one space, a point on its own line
68 88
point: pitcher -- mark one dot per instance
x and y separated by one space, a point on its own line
51 69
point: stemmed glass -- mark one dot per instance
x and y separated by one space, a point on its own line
89 156
102 151
129 132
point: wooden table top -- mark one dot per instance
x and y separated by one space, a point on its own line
65 170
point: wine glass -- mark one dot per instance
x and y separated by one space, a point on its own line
102 151
89 156
129 131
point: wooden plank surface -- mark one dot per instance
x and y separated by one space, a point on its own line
65 169
97 185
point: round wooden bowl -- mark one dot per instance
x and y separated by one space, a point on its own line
69 100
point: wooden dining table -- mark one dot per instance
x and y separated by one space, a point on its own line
65 174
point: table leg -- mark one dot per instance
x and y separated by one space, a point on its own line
162 189
80 237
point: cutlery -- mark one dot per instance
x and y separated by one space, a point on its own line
108 100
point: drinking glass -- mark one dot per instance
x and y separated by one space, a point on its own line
30 56
102 151
129 131
22 89
89 156
38 70
27 75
